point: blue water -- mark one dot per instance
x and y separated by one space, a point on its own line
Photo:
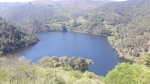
96 48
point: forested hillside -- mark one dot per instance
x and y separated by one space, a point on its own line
125 23
13 37
130 29
73 4
47 15
28 16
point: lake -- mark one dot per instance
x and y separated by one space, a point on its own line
96 48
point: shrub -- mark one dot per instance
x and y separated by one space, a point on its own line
128 74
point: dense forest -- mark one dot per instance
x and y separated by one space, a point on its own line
131 34
39 15
125 23
13 37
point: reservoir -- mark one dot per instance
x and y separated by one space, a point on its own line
96 48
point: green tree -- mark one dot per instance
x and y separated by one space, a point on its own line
125 73
145 59
79 64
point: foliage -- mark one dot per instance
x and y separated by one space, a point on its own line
13 37
128 74
80 64
2 75
49 62
129 22
49 17
25 73
122 20
145 59
125 23
75 63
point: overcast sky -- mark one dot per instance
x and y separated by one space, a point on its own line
31 0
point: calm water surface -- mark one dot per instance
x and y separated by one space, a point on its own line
71 44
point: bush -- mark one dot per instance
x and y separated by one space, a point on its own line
2 75
128 74
79 64
145 59
76 63
76 74
49 62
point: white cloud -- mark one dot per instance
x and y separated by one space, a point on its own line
15 0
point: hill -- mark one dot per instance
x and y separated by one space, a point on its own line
28 15
13 37
129 24
125 23
47 15
74 4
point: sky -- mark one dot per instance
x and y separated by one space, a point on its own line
15 0
31 0
120 0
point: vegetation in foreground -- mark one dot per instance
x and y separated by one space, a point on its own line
53 70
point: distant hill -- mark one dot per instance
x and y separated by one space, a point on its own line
6 5
13 37
28 15
46 15
74 4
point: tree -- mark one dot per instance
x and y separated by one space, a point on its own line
145 59
76 63
64 29
126 73
79 64
63 60
49 62
74 23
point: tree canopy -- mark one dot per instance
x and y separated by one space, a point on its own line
13 37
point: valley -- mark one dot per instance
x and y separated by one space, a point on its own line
125 24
